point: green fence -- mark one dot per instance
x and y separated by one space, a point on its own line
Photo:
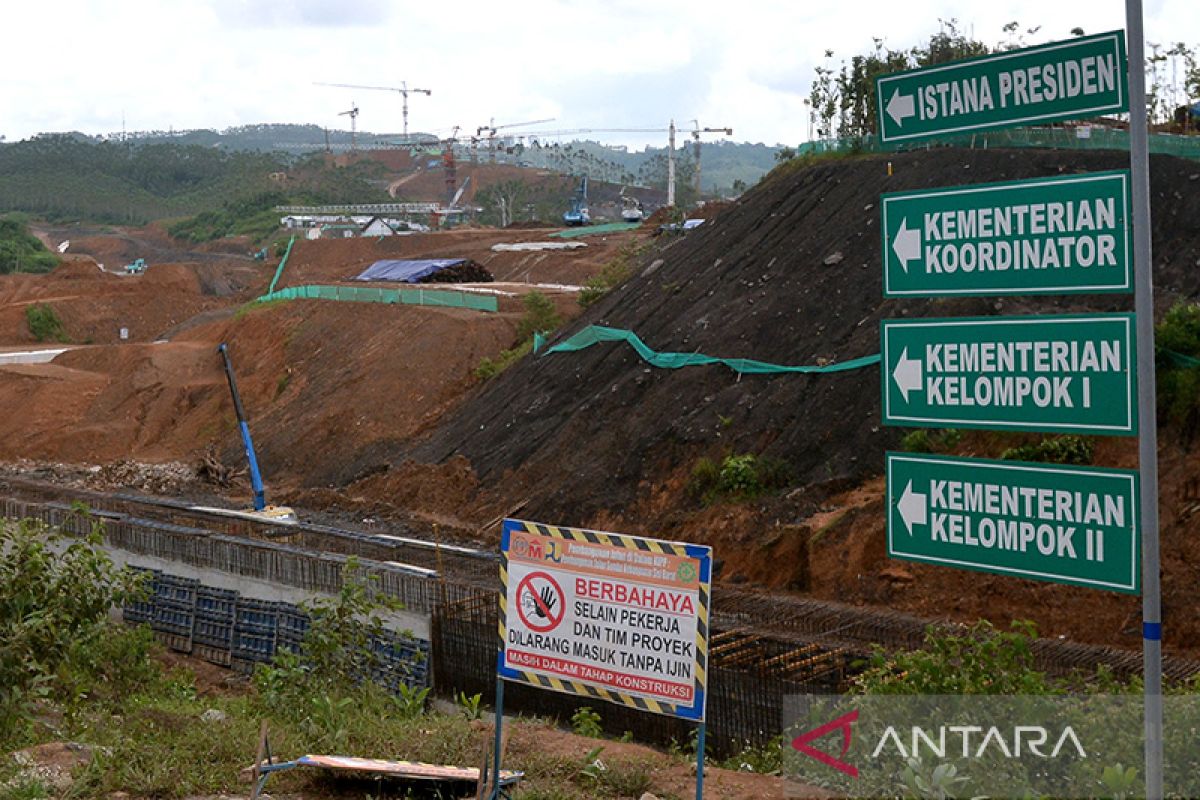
1050 138
371 294
282 264
596 230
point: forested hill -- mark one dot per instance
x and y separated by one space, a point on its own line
73 177
727 166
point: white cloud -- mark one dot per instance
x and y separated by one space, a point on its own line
80 64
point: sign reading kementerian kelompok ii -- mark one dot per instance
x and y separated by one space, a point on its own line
619 618
1076 525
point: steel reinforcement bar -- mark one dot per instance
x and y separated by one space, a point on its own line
427 576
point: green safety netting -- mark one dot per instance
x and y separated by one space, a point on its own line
282 264
592 230
1051 138
594 334
365 294
1180 359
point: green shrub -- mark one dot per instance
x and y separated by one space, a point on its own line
55 634
44 324
489 368
1177 340
737 477
706 474
336 658
1068 449
978 660
586 722
539 317
922 440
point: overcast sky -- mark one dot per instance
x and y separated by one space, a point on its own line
82 64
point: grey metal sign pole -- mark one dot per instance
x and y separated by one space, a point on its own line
1139 163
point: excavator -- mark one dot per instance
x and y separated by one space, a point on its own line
579 214
261 511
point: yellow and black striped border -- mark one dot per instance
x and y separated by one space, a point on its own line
704 584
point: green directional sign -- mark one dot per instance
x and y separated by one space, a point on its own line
1061 524
1065 235
1069 373
1072 79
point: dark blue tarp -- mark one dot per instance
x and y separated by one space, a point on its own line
402 271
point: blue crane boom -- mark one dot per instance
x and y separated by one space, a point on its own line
260 501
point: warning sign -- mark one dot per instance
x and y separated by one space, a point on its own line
540 602
604 615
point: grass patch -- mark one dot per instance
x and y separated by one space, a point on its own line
489 368
257 305
44 324
1068 449
737 478
612 274
540 317
923 440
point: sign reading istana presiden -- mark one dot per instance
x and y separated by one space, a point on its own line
620 618
1074 79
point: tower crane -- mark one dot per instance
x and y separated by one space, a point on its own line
696 131
492 127
353 114
449 165
669 130
402 89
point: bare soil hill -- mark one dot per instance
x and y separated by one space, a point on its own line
319 378
94 305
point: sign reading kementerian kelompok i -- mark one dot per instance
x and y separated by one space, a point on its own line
620 618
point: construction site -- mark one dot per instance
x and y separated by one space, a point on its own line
413 377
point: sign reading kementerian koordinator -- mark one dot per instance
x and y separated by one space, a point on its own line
1066 235
1075 525
1073 79
1068 373
620 618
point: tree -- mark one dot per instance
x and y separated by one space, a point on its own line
843 98
503 201
55 595
21 251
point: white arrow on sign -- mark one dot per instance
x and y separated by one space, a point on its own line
912 508
907 244
907 374
901 107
